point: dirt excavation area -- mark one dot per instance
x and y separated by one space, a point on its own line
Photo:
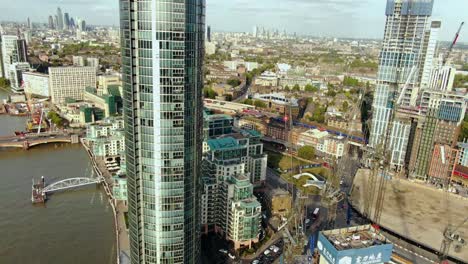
416 211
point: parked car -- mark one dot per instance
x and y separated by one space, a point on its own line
267 252
223 251
231 256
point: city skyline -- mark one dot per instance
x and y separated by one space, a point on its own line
344 18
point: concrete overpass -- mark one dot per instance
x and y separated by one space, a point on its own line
29 141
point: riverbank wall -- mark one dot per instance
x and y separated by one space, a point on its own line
108 191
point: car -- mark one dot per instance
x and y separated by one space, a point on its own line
307 221
267 252
275 249
272 247
256 261
223 251
231 256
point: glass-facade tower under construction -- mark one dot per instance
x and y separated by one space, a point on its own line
401 64
162 55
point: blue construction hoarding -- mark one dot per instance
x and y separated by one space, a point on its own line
371 255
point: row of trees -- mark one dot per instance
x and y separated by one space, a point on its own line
256 103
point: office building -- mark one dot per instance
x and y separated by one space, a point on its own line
78 61
359 244
402 56
70 82
36 84
66 21
13 50
164 121
108 102
60 25
93 62
15 74
51 22
72 23
28 23
208 34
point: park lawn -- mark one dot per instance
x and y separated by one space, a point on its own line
278 160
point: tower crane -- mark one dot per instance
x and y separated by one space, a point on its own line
454 42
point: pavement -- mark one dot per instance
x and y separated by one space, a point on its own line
124 241
416 211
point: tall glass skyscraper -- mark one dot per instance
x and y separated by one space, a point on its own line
59 19
402 57
162 55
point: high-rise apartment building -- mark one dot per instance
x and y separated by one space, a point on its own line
162 55
406 57
70 82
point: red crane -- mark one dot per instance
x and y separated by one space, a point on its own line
457 35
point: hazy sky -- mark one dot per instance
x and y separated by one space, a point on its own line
341 18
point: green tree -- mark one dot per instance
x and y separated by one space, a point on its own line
318 115
55 118
350 81
259 104
208 92
248 102
464 129
331 93
345 106
311 88
460 81
306 152
296 88
286 87
234 82
4 82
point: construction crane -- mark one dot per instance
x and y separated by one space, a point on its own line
454 42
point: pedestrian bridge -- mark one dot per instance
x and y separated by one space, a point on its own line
70 184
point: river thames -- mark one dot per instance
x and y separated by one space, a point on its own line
72 227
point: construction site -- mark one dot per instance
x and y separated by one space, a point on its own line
415 211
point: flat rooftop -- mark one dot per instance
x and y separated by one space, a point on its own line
355 237
416 211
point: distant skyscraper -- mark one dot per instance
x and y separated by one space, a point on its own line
255 31
403 48
83 25
66 21
208 34
51 22
72 23
56 25
29 23
59 19
164 122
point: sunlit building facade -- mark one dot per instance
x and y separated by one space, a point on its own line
162 55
